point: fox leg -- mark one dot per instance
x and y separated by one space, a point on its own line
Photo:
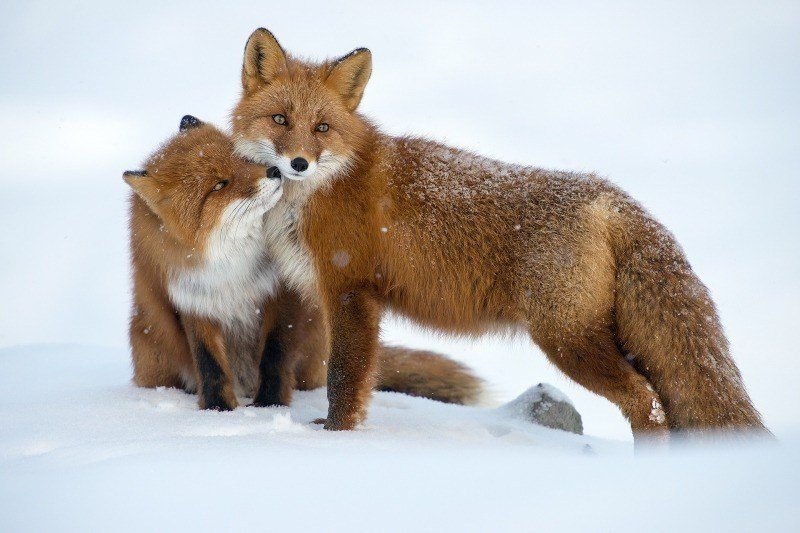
275 372
308 341
354 320
161 356
275 385
215 387
151 365
294 349
594 361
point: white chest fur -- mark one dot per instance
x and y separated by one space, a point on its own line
292 258
234 278
290 255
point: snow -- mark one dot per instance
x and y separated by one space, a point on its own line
535 394
83 450
690 107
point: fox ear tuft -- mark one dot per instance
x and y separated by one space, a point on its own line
144 186
264 60
189 122
349 75
131 174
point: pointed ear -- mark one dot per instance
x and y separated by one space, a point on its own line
348 76
189 122
264 61
144 186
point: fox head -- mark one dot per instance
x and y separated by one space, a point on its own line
298 116
197 186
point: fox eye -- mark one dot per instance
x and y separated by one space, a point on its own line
322 127
279 119
220 185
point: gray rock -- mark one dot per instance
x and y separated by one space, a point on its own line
547 406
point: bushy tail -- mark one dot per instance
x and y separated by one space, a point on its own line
427 374
668 328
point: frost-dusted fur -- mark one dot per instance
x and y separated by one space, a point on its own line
466 244
201 274
203 286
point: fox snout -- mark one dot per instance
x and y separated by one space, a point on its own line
295 167
295 164
270 189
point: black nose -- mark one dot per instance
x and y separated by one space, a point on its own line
299 164
274 173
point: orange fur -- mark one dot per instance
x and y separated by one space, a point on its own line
465 244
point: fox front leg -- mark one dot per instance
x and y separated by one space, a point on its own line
215 384
275 371
354 319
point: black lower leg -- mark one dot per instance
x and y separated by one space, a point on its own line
212 381
275 387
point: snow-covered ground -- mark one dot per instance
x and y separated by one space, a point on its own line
692 107
81 449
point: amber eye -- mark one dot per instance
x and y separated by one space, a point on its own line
220 185
279 119
322 127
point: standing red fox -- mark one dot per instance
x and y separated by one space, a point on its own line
209 311
467 245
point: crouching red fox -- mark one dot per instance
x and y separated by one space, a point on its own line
210 313
466 245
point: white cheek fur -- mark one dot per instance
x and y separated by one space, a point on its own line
263 152
260 151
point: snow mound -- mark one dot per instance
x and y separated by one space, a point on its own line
547 406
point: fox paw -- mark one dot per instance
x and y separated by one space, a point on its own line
269 403
218 402
332 425
218 406
325 423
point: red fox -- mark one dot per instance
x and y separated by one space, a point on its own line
466 245
210 313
